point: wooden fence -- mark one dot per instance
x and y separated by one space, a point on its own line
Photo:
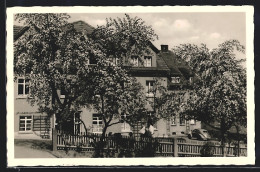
165 147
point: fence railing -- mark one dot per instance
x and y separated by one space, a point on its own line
177 147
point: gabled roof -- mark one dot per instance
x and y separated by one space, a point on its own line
161 67
176 65
80 26
19 31
161 63
154 48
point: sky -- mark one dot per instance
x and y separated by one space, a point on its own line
175 28
178 28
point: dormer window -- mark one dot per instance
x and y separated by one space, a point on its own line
148 61
176 80
134 61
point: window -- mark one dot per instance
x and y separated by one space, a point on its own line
125 127
149 88
116 61
23 86
97 123
124 117
175 80
25 123
192 121
134 61
148 61
173 120
182 120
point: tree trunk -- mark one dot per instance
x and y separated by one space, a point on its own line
223 132
104 132
102 142
86 130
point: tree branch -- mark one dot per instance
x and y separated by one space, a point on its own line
114 123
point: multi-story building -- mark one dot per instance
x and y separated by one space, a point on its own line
159 64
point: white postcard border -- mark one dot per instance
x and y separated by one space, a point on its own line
250 159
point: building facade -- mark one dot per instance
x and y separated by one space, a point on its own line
158 65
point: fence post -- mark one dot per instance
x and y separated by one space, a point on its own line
224 150
175 147
238 147
54 139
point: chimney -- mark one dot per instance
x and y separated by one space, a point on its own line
164 48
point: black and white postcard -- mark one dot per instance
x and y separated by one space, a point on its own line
106 86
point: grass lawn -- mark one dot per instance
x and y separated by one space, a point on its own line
46 145
71 154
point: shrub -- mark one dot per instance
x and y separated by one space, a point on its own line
207 150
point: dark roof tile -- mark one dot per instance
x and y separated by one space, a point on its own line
78 26
83 26
19 31
177 66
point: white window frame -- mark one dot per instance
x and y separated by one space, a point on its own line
26 122
123 116
192 122
23 84
149 87
117 61
97 128
134 61
173 120
147 61
125 127
184 121
176 80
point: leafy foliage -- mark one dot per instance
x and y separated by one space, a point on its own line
121 38
219 91
116 92
57 58
168 103
207 150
